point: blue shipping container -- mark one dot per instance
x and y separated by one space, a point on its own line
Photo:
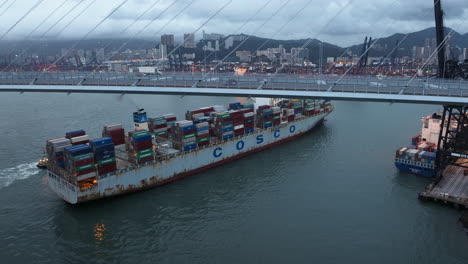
78 150
74 132
187 128
249 130
100 141
142 138
203 128
228 129
228 136
193 146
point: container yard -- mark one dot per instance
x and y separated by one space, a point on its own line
163 149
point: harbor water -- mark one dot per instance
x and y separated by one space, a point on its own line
332 196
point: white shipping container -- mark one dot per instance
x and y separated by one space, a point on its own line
250 114
86 176
204 124
160 130
276 109
112 127
79 139
184 123
198 115
203 132
238 127
167 116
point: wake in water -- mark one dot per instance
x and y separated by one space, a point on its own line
20 172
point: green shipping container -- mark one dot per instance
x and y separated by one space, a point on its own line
145 151
276 117
145 155
83 157
190 135
106 161
141 133
161 133
224 116
85 167
203 140
267 123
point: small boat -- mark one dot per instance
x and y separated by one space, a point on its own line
42 164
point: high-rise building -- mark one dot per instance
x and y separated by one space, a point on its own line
189 41
168 40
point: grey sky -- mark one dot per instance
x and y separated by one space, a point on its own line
360 18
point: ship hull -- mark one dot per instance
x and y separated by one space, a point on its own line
181 166
419 171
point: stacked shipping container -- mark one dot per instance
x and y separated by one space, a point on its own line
140 146
223 125
264 116
104 155
184 135
115 132
79 161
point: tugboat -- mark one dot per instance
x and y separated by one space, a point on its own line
42 164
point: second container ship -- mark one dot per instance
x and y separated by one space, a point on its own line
161 150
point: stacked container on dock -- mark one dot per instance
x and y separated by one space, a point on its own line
104 155
79 161
224 125
55 150
158 126
264 116
115 132
203 134
184 135
140 146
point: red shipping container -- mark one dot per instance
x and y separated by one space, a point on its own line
142 145
205 143
159 126
83 172
107 168
171 119
263 107
146 159
239 132
83 162
59 159
290 118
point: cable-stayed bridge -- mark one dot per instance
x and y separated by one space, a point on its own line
352 88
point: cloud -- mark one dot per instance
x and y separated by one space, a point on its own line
360 18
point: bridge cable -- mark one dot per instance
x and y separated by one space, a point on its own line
142 29
33 31
397 46
6 1
238 29
133 22
243 41
360 57
282 27
86 35
8 7
21 19
307 43
198 29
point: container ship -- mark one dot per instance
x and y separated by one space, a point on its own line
419 157
161 150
